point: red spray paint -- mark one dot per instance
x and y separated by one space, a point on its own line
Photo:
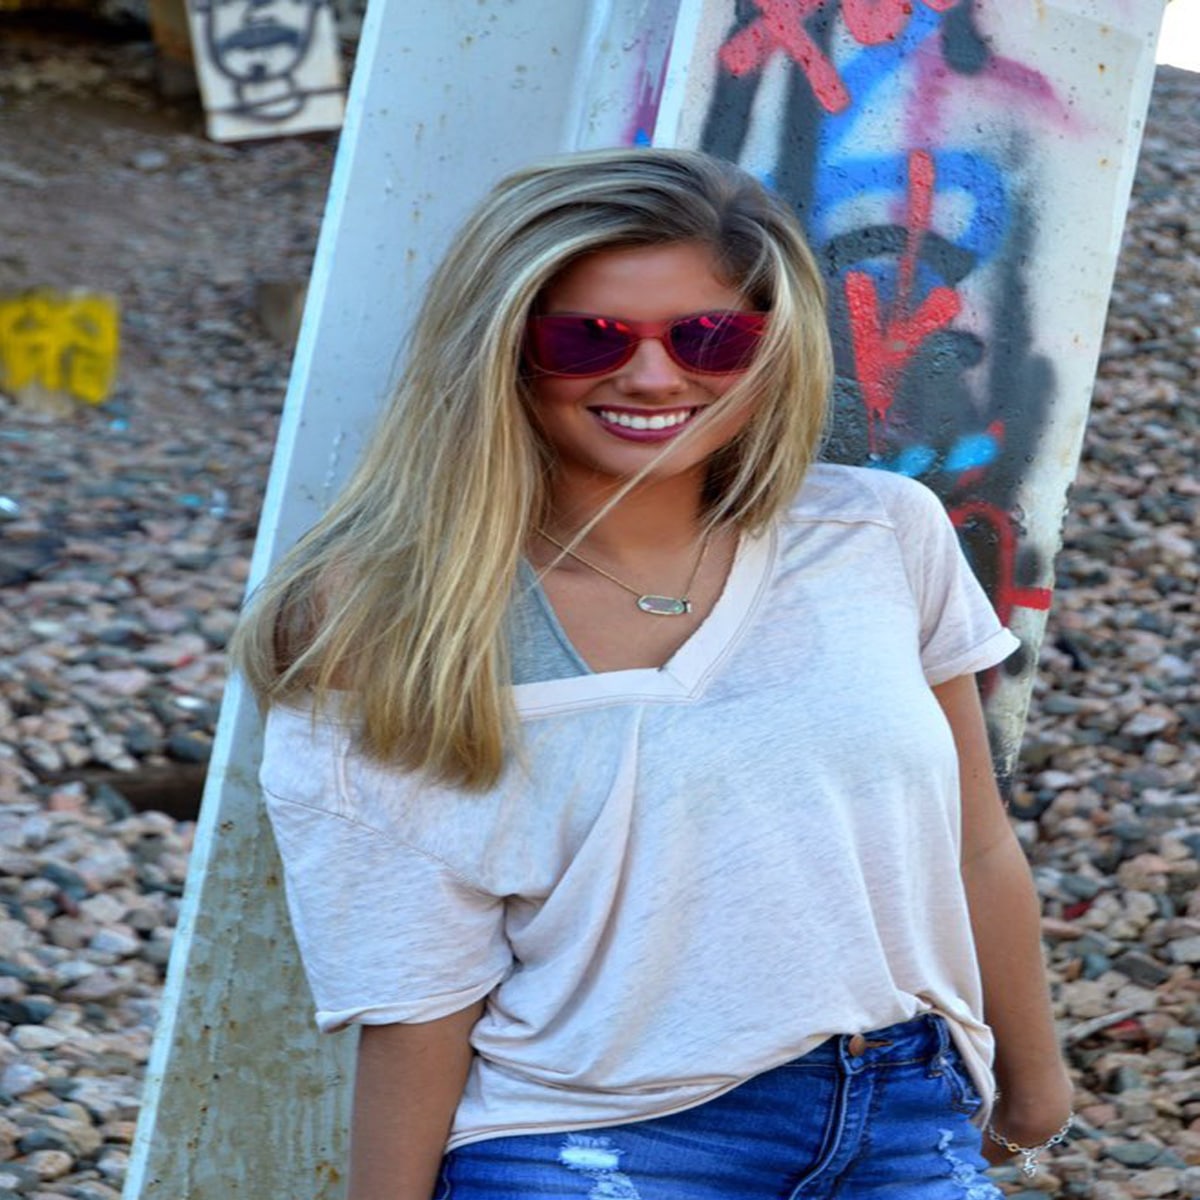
883 345
780 28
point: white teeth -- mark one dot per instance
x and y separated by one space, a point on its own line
658 421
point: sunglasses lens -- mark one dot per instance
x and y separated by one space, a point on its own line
717 342
571 345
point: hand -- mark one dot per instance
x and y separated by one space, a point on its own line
1030 1116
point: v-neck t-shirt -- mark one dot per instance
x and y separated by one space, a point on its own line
686 875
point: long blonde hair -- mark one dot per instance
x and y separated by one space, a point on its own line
395 602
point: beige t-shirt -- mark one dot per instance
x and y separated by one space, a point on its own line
692 874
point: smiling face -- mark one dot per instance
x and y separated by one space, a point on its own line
604 429
255 41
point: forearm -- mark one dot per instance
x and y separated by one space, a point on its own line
407 1086
1005 917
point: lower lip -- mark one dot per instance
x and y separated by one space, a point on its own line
643 435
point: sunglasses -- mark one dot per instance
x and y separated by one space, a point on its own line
708 343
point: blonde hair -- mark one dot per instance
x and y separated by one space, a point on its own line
396 601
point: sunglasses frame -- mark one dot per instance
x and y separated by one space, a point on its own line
637 332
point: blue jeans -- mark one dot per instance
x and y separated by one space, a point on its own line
879 1116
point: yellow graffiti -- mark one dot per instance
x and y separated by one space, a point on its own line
65 343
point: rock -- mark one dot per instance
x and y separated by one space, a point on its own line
79 1138
49 1164
1134 1154
190 747
107 1098
1141 968
36 1037
113 1165
127 681
1158 1181
150 160
1148 723
1185 950
31 1010
1126 1079
20 1077
70 882
279 305
1181 1041
120 942
17 1179
94 1190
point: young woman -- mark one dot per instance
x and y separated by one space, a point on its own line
628 769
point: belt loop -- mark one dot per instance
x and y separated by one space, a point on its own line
942 1033
849 1056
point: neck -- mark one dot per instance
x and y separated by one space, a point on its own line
655 518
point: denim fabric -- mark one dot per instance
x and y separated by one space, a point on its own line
888 1120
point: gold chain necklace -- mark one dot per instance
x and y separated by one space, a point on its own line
648 602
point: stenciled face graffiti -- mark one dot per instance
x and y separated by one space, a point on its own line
259 46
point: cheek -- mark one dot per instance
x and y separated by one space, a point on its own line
733 422
551 393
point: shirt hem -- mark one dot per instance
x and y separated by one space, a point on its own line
335 1020
491 1133
995 649
977 1063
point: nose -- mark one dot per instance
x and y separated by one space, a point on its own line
651 371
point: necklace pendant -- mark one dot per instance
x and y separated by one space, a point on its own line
664 606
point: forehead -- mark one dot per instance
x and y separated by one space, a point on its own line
642 283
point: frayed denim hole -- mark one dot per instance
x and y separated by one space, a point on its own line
962 1172
598 1159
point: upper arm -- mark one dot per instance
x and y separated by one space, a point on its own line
407 1086
444 1041
984 819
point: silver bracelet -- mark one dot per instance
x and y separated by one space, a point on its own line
1029 1154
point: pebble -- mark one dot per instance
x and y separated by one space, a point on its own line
150 160
1185 950
1134 1154
20 1078
49 1164
1158 1181
127 538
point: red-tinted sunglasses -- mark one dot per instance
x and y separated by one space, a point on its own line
579 345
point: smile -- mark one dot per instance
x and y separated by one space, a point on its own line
655 422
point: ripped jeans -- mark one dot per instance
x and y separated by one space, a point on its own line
880 1116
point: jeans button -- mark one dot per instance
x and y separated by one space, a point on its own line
857 1045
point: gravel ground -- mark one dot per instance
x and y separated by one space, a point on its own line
125 535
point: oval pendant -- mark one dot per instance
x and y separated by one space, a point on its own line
664 606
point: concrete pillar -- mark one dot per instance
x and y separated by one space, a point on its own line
963 169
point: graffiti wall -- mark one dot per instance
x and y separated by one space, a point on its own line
962 168
57 348
267 67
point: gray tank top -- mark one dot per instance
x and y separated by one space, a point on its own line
540 647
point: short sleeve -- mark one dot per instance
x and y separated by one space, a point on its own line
960 633
387 933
